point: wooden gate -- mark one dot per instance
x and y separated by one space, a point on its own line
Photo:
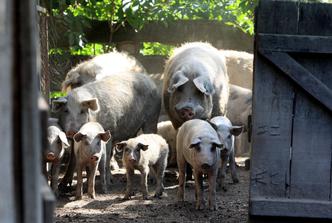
292 111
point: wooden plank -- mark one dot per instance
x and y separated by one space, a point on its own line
48 201
272 108
26 120
312 137
271 131
301 76
295 43
291 208
315 19
7 193
277 17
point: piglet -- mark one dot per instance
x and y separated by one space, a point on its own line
227 132
90 152
198 144
142 153
54 154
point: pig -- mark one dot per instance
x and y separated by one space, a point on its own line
198 144
226 133
238 110
144 152
99 67
54 154
122 103
195 83
168 132
90 153
239 67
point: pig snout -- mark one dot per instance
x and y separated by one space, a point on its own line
186 113
94 158
206 166
50 157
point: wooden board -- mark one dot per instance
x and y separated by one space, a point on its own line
302 64
312 136
7 193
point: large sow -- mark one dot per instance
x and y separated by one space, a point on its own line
122 103
195 83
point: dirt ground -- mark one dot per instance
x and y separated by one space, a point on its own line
232 204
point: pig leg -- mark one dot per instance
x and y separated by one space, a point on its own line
182 174
109 154
199 190
150 127
102 169
212 177
91 181
232 165
224 160
144 182
55 175
68 178
79 185
160 170
130 175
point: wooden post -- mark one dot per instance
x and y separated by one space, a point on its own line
7 193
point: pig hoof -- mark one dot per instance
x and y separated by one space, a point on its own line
213 208
78 197
125 198
92 196
146 197
199 207
235 180
158 195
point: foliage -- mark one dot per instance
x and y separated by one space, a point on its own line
136 13
57 94
156 49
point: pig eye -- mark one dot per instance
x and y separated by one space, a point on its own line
198 148
229 136
127 150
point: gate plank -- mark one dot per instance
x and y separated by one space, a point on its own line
312 137
272 125
274 17
295 43
301 76
315 19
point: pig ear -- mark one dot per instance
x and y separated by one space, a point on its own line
59 104
63 139
214 126
195 142
142 146
120 146
106 136
177 80
236 130
78 136
204 85
91 104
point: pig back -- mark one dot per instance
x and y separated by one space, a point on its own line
158 147
126 102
